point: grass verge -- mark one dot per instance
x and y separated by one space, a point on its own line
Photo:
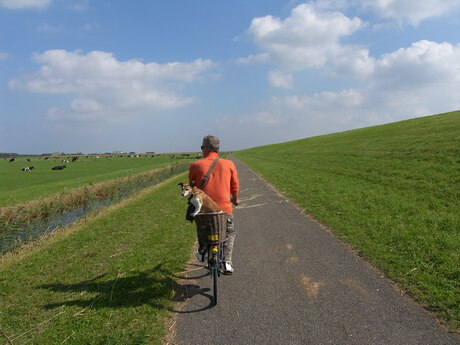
108 280
391 191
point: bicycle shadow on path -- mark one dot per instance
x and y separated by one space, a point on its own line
130 289
187 288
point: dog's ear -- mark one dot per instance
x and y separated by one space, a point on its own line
181 184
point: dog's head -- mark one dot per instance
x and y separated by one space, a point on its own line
186 188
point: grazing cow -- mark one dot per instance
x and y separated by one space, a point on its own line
74 159
11 160
65 161
28 168
59 167
28 159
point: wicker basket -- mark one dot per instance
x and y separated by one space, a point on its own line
211 227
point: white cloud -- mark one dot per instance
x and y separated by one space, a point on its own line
20 4
424 64
45 27
419 80
411 11
279 79
102 85
263 118
88 27
85 105
332 4
259 58
5 56
307 38
81 6
354 62
311 36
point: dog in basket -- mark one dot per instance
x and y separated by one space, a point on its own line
199 199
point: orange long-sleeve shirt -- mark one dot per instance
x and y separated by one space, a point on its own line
222 182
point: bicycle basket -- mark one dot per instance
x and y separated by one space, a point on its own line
211 224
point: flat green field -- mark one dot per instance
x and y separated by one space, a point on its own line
17 186
392 191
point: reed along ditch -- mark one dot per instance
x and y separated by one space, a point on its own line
25 223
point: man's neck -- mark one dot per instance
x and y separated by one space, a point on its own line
211 155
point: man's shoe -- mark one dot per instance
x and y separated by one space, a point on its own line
201 256
228 269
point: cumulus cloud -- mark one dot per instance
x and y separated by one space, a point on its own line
311 36
423 65
262 118
103 85
410 11
81 6
307 38
258 58
24 4
354 62
45 27
85 105
5 56
88 27
279 79
418 80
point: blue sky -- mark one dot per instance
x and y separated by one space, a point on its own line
108 75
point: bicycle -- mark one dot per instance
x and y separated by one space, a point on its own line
212 230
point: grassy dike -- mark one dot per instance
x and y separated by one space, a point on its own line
107 280
391 191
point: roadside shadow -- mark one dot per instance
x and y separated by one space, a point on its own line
184 292
153 287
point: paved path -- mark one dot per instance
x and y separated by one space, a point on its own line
294 283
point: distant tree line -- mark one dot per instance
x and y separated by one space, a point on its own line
12 154
6 155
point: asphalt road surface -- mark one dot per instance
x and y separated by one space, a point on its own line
294 283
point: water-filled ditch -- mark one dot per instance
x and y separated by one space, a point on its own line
14 237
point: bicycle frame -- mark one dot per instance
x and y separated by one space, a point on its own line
214 261
214 251
211 229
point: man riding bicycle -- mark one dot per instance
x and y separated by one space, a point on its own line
223 187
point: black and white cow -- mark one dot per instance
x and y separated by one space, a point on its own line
28 168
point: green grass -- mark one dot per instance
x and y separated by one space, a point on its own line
18 187
392 191
20 216
107 281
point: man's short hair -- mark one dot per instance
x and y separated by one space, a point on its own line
212 143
